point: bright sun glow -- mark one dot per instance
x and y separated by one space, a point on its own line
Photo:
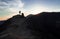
34 10
37 9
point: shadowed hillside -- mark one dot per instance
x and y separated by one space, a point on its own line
1 22
40 26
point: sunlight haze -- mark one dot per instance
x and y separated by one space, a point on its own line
8 8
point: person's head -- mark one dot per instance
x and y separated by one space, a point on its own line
19 11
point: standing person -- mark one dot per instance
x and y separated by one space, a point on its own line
23 14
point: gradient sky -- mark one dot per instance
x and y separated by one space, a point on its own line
8 8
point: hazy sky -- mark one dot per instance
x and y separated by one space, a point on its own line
9 8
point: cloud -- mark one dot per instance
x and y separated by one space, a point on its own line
10 7
12 3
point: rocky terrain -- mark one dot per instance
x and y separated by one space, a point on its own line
41 26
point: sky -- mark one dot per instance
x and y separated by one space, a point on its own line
8 8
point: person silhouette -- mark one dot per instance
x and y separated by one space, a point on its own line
23 14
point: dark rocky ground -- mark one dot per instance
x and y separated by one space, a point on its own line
41 26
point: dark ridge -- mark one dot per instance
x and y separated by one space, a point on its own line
4 24
45 25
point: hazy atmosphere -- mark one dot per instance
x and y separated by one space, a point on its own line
9 8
